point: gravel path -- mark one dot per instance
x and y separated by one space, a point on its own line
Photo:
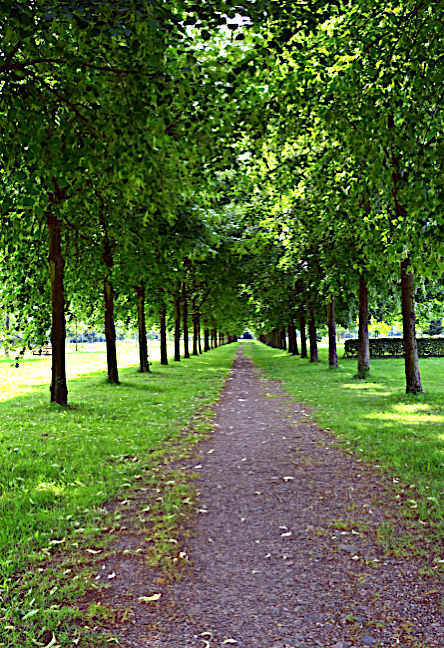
282 552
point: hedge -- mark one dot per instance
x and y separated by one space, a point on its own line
380 347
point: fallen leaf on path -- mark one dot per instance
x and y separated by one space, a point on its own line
113 575
148 599
229 641
210 451
94 551
286 479
52 642
286 535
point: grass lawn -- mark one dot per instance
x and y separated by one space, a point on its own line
59 465
399 433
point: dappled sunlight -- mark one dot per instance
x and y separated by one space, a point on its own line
362 385
404 417
417 413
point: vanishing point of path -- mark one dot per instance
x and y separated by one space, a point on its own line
282 552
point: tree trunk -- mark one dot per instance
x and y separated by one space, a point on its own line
110 333
412 375
303 336
195 332
294 349
283 344
206 339
163 338
312 336
59 390
177 329
185 325
363 343
332 353
144 365
215 338
290 338
198 334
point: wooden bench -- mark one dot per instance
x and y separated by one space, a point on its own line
43 350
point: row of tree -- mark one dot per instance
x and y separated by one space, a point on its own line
278 163
110 116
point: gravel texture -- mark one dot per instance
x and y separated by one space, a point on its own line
282 551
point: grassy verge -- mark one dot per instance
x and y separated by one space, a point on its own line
59 466
402 435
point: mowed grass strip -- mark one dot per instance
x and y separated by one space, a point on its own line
59 465
399 433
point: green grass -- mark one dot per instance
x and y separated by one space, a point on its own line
401 434
58 466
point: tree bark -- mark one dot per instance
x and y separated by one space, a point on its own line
294 349
412 375
363 343
198 334
177 329
110 333
290 338
195 332
58 388
312 336
332 352
163 338
215 338
303 336
144 365
283 344
206 339
185 325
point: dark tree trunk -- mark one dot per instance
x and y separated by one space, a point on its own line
332 353
198 334
303 336
283 340
163 338
185 325
412 375
110 333
144 365
294 349
195 332
290 338
177 329
215 338
206 339
59 390
363 343
312 336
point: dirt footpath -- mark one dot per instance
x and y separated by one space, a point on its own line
282 552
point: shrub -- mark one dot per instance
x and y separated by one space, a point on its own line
380 347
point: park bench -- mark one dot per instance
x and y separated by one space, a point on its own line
43 350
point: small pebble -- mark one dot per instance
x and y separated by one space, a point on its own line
367 640
348 548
